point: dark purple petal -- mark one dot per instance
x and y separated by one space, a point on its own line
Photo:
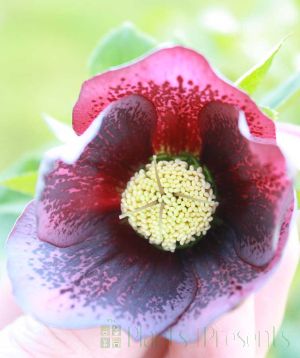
113 277
252 184
179 82
73 197
224 280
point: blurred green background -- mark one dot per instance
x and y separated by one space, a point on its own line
44 50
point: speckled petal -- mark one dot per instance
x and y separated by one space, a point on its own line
73 196
179 82
113 277
224 280
253 188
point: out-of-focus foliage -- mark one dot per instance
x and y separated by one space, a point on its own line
271 113
21 177
119 46
250 81
23 183
45 44
280 95
12 202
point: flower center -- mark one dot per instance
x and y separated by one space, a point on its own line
170 203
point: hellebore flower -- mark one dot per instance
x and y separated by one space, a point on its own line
170 207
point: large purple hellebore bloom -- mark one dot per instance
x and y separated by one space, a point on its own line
76 262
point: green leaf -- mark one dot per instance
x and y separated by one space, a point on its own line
121 45
29 163
20 177
281 94
271 113
24 183
12 204
252 78
15 199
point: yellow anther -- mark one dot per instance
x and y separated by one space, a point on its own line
169 203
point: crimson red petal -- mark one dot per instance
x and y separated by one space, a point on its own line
179 82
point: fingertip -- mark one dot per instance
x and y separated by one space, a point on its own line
270 301
9 310
227 337
26 337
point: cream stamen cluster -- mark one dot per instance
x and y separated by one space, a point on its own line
169 203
